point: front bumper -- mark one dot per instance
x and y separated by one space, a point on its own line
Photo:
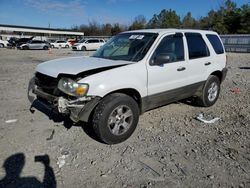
78 109
75 48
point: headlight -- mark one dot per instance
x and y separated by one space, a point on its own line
72 88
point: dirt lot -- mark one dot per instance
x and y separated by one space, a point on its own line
169 148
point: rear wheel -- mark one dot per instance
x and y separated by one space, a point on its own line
210 92
115 118
45 47
66 46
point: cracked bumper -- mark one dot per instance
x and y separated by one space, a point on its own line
78 109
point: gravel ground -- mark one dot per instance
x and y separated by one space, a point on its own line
169 148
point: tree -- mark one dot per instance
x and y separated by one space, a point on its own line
169 18
116 29
232 16
245 20
153 22
188 21
139 23
106 29
166 19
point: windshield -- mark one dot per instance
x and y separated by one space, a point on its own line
127 46
81 41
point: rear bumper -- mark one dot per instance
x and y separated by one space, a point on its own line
224 74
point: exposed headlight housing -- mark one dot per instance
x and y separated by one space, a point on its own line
72 88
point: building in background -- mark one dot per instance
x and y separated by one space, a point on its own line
39 33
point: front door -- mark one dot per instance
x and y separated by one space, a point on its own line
166 79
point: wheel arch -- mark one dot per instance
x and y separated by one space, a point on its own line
130 92
218 74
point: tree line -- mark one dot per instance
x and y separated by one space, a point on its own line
228 19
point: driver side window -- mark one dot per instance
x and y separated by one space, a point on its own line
171 47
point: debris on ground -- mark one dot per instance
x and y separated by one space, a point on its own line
235 90
200 117
11 121
61 161
51 136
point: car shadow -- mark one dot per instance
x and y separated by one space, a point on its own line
192 101
56 117
13 166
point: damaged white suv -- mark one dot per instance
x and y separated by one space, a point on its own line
133 72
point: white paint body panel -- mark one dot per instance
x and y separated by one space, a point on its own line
132 76
146 79
75 65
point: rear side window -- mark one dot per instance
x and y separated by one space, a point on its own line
197 47
216 43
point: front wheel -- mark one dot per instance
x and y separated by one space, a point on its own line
25 47
210 92
115 118
83 48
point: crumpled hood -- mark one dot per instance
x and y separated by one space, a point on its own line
75 65
76 44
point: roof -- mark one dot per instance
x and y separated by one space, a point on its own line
19 28
169 30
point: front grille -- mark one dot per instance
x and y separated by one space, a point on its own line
47 83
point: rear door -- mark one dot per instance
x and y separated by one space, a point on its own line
199 58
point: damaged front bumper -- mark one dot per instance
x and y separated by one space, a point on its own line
78 109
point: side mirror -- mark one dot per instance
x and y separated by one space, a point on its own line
161 59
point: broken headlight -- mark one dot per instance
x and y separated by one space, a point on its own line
72 88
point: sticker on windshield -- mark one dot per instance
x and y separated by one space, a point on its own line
136 37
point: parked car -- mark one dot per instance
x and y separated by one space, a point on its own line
35 45
72 41
60 44
3 43
89 44
18 42
132 73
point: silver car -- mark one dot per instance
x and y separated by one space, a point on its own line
35 45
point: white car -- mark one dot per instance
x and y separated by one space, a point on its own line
132 73
88 44
3 43
35 45
60 44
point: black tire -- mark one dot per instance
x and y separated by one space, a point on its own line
1 45
45 47
83 48
25 48
66 46
103 123
210 92
52 46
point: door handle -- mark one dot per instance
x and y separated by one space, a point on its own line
208 63
181 69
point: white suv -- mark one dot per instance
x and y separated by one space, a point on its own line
89 44
133 72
